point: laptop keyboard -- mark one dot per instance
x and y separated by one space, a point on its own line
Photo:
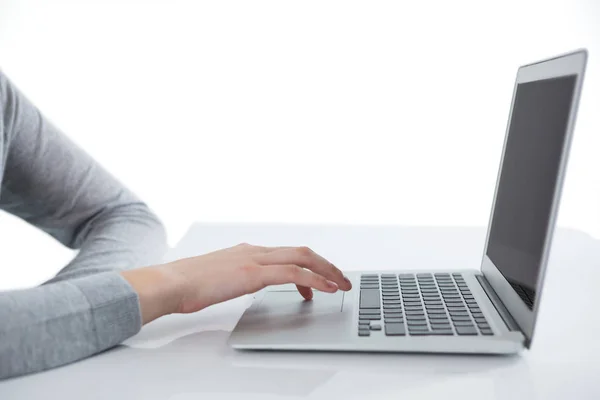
419 305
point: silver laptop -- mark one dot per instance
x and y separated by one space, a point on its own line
492 310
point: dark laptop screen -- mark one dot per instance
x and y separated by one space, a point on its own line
537 132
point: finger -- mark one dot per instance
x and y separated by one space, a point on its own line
305 257
278 274
306 292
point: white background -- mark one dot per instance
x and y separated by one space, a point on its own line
294 111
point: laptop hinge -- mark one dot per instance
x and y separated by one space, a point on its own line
497 303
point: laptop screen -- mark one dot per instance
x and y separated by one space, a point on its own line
529 174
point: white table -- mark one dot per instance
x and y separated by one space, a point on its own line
186 356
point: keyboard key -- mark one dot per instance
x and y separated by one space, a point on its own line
487 332
410 296
411 312
459 313
372 317
451 296
391 302
484 326
410 321
413 308
454 319
434 306
369 298
394 320
443 321
392 307
395 330
397 318
366 286
368 312
444 332
446 327
363 322
480 320
464 330
459 309
462 323
392 314
410 291
435 311
437 316
363 332
477 315
376 327
417 327
415 303
419 333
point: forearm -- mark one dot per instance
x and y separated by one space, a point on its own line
59 323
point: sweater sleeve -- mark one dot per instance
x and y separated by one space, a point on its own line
54 185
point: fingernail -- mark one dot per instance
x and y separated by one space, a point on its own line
347 281
332 285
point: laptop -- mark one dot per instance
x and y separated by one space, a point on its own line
491 310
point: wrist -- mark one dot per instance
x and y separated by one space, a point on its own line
157 290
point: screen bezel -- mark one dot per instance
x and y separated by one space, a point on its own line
568 64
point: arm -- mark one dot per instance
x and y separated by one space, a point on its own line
102 298
51 183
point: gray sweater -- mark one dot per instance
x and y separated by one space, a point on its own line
52 184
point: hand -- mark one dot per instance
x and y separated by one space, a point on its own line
191 284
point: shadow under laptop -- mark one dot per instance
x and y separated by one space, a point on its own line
194 365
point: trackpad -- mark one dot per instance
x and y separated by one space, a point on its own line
285 318
292 303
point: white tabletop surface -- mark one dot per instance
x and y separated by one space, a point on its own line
186 357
